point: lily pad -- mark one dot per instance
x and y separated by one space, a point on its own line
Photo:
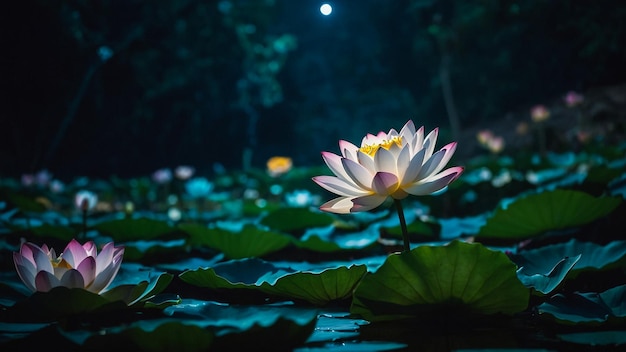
596 338
535 214
296 220
546 282
453 279
317 287
62 302
332 284
131 229
593 256
251 241
589 308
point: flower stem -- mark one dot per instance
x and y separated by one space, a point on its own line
84 234
405 232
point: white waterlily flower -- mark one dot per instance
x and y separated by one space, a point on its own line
393 164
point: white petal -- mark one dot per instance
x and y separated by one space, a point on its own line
341 205
435 183
402 161
417 141
410 176
338 186
333 161
347 149
431 165
385 161
429 143
366 160
359 174
367 203
408 129
449 152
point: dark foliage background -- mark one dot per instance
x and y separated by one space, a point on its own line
124 87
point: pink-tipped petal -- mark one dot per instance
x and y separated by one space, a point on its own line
44 281
105 278
335 164
347 149
74 253
87 269
42 260
105 257
448 150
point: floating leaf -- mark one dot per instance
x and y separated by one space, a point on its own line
130 229
547 281
321 288
250 242
456 278
140 293
296 220
58 303
596 338
318 287
588 308
317 244
535 214
593 256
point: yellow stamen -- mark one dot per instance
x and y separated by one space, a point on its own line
60 262
371 149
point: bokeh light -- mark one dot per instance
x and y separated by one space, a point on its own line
326 9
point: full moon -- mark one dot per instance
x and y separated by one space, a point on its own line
326 9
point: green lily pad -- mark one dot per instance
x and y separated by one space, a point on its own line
250 242
321 288
168 336
593 256
589 308
59 303
140 293
317 244
201 326
317 287
535 214
546 282
131 229
62 302
455 279
296 220
596 338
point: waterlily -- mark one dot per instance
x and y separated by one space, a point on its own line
85 200
393 164
79 266
279 165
